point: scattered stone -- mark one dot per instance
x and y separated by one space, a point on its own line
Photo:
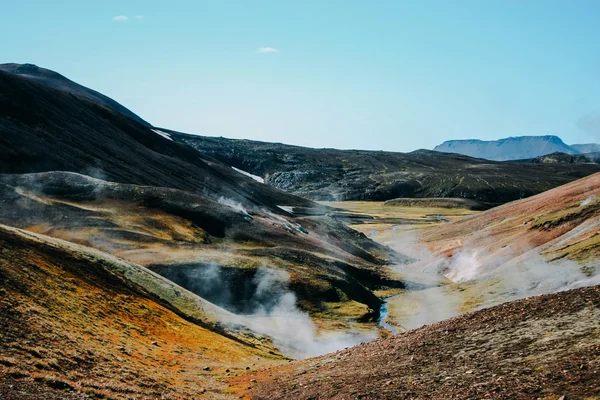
206 368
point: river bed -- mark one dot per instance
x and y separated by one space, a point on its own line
383 314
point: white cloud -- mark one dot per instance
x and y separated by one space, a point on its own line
267 50
121 18
139 17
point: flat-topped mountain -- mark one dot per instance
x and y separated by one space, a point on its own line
512 148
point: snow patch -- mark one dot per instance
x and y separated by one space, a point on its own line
587 201
255 177
288 209
163 134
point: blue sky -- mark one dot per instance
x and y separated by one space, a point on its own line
389 75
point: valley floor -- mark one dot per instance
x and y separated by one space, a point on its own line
542 347
400 228
538 245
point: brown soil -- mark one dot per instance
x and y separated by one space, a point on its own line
543 347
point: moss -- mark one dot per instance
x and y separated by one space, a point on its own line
581 252
574 213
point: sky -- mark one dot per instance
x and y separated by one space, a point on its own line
381 75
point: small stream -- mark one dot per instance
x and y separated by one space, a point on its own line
438 218
383 314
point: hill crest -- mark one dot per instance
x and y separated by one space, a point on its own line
57 81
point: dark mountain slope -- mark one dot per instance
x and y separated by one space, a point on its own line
57 81
512 148
329 174
44 129
561 158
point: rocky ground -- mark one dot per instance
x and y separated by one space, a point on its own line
546 347
355 175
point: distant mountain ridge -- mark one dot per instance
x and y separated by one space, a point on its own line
337 175
587 148
511 148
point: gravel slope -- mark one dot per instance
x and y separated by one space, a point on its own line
543 347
